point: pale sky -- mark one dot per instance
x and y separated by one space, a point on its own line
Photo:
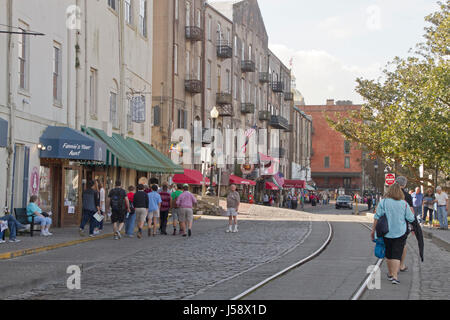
333 42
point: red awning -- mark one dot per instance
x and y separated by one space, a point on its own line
296 184
271 186
193 177
241 181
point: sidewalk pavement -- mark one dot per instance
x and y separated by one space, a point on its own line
62 237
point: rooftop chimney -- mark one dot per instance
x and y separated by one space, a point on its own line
330 102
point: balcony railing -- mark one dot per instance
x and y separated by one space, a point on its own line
277 86
223 98
264 77
226 110
193 86
290 128
224 50
247 108
248 66
264 115
279 122
288 96
194 33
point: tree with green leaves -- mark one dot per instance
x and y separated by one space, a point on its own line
406 116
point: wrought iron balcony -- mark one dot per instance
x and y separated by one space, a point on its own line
224 50
288 96
224 98
247 108
290 128
277 86
248 66
194 33
264 115
226 110
264 77
279 122
193 86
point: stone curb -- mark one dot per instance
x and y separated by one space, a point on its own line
25 252
436 240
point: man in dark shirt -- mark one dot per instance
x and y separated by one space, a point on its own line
403 181
119 205
91 205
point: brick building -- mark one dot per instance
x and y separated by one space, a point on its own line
335 162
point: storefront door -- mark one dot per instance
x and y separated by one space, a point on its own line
71 196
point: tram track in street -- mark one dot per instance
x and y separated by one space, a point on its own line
356 295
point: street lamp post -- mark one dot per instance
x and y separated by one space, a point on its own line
375 166
214 116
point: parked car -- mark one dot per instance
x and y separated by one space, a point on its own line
344 202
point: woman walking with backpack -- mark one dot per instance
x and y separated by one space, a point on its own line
397 212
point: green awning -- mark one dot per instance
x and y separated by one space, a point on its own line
132 154
173 168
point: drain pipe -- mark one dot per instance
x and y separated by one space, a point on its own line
11 106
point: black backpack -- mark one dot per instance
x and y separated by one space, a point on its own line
116 200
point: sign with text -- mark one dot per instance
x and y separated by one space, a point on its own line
390 179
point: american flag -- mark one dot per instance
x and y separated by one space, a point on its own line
248 134
279 178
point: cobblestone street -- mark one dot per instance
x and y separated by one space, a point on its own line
173 267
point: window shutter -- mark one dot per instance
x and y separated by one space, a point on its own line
185 118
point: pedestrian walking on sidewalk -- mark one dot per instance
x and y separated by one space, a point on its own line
428 206
417 199
233 202
442 208
185 203
175 210
130 218
102 194
402 182
154 206
140 203
397 212
39 217
91 205
119 205
165 207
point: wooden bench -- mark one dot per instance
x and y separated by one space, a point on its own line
21 216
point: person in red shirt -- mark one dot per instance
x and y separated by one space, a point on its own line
130 218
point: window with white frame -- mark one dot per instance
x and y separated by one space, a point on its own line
113 118
112 4
199 18
209 28
243 90
235 46
57 79
235 87
228 81
128 11
188 14
176 9
188 64
23 57
208 74
219 32
199 68
93 93
143 17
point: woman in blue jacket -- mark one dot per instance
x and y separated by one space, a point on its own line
397 212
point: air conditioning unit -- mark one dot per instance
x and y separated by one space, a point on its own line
107 127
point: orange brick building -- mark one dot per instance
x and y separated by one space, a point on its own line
335 162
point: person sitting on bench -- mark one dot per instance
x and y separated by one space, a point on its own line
39 217
13 226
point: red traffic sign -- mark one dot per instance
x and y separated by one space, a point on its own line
390 179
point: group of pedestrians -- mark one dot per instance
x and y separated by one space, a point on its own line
139 206
403 212
431 205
